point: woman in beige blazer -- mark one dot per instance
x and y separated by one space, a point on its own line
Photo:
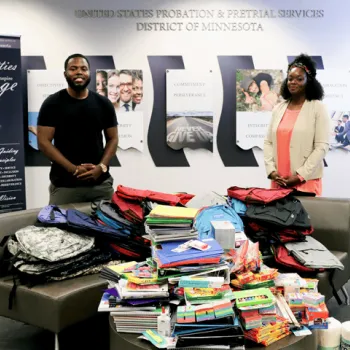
298 135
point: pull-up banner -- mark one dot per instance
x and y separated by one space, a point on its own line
12 172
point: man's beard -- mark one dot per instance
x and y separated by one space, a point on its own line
79 87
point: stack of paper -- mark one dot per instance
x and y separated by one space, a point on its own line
136 321
168 223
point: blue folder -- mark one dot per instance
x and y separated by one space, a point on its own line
167 256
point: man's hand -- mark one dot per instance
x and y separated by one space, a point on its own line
88 166
79 170
292 181
274 176
92 174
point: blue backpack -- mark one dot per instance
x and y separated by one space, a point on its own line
216 213
83 223
52 215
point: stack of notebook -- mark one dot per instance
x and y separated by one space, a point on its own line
133 299
136 321
168 223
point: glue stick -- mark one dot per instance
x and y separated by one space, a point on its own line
163 323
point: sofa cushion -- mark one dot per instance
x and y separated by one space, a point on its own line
339 278
53 306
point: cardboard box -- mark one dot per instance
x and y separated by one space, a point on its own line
224 233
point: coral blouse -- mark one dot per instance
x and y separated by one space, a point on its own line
284 135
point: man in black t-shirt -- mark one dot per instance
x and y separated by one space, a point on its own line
74 119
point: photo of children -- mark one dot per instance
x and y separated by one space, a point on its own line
124 88
257 90
340 133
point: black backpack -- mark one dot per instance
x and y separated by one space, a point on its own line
284 220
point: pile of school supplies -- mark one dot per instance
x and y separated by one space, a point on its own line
215 298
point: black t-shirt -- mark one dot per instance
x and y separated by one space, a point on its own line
78 124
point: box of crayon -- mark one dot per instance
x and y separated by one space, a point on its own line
268 319
252 322
205 312
249 313
271 310
186 314
245 277
223 309
252 297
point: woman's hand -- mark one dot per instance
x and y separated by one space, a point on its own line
292 181
274 176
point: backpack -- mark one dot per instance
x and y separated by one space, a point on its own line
132 250
110 210
53 215
29 270
283 258
258 195
48 244
135 247
108 213
159 197
132 211
284 220
202 222
277 234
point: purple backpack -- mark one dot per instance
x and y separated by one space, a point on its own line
52 215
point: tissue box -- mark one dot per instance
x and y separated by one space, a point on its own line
224 233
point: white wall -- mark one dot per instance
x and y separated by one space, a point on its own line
49 28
